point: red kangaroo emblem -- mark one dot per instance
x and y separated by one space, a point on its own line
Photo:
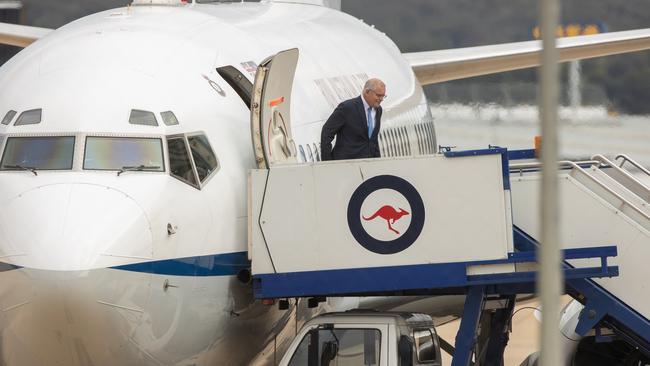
389 214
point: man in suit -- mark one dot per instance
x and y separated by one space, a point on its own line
355 123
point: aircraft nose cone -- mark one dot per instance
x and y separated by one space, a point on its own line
73 227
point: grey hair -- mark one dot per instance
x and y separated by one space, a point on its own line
372 84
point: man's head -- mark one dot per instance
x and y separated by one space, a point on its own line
374 92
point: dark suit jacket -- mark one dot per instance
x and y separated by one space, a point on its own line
349 124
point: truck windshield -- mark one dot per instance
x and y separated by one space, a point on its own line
338 347
124 154
38 153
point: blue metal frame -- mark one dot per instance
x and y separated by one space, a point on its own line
466 336
521 154
421 277
599 304
499 333
463 153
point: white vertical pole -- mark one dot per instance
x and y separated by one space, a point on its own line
575 96
550 278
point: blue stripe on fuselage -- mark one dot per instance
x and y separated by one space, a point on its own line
228 264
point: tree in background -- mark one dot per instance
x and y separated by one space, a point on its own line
421 25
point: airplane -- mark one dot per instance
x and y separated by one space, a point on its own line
126 140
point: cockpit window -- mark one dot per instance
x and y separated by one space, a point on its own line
124 153
41 153
204 158
169 118
8 117
144 118
179 161
31 117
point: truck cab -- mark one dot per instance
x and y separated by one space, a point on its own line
365 337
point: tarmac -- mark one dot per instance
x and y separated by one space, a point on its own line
524 338
580 136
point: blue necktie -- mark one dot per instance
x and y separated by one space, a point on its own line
371 124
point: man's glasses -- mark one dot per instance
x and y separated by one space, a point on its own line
380 96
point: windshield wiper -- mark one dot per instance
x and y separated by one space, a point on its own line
20 167
139 168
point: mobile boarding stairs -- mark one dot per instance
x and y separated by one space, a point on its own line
455 223
443 224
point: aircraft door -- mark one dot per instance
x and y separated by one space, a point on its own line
270 110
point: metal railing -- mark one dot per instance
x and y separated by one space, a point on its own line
535 166
575 165
619 169
636 165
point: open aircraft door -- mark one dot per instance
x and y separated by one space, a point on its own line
271 110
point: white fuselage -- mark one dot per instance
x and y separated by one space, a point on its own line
91 275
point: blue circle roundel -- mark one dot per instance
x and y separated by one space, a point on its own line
386 212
